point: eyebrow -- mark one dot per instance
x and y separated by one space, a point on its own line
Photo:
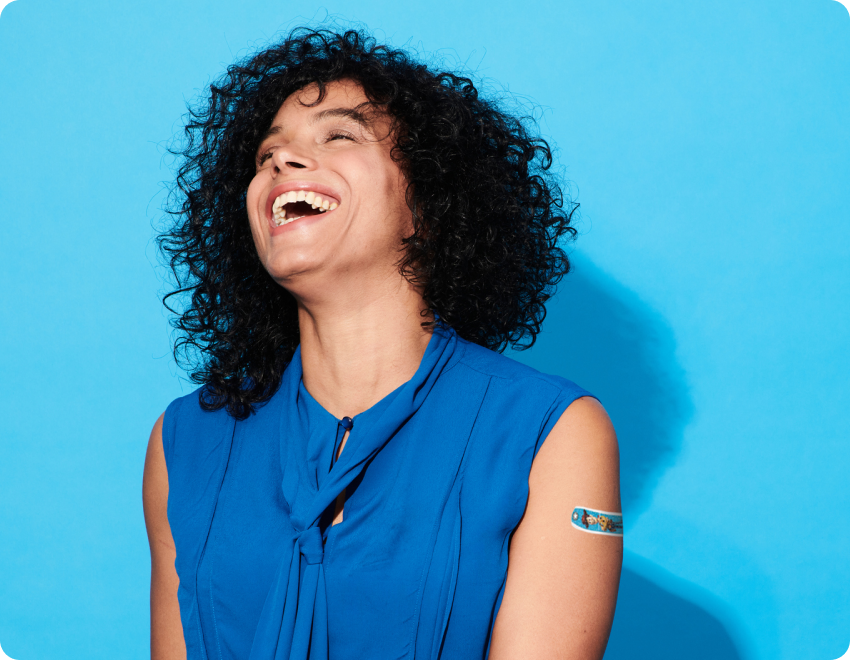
345 113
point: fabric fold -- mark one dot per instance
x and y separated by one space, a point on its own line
294 621
440 639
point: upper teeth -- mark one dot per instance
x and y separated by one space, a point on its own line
313 199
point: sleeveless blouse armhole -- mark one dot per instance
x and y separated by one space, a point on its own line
558 407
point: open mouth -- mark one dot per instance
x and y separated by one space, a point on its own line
296 204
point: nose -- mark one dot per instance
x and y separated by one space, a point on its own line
292 156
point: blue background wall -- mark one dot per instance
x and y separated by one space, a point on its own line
709 145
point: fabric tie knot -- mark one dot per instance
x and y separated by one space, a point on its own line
310 545
294 622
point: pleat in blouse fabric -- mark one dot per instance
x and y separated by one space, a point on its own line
436 480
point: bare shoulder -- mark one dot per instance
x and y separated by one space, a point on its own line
155 484
581 455
166 628
562 582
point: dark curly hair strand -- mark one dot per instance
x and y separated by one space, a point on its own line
489 216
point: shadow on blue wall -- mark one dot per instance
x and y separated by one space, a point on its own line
609 341
602 336
660 617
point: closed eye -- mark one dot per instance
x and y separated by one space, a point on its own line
338 135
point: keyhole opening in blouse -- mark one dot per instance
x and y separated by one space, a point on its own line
345 425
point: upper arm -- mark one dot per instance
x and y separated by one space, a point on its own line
562 582
166 629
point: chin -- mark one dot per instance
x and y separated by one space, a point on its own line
290 268
284 271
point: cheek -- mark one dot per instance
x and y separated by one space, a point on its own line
387 183
255 217
255 213
403 208
253 198
397 190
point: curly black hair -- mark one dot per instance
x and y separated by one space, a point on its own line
489 215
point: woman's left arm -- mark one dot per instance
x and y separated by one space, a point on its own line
562 582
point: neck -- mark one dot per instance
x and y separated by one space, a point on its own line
355 350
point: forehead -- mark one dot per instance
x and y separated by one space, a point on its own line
339 93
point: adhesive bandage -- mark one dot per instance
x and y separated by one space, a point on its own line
597 522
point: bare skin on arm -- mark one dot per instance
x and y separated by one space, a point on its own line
562 582
166 629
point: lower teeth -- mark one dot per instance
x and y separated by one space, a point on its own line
284 220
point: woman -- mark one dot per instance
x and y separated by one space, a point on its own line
359 474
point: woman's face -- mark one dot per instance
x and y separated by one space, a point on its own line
327 204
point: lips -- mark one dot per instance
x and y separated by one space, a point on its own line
294 200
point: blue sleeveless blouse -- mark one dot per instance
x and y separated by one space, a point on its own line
436 481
